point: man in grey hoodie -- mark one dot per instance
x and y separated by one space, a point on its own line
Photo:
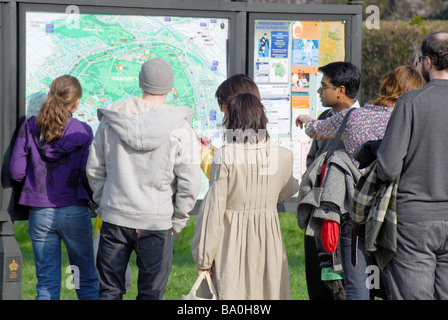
414 149
144 170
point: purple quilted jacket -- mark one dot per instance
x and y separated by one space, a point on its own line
53 174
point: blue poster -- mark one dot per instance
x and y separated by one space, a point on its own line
305 52
280 40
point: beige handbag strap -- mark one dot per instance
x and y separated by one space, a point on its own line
198 282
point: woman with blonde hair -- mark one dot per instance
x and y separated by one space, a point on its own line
402 79
49 157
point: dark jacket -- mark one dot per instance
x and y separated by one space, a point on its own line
414 149
317 148
331 201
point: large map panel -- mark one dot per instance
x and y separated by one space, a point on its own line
106 52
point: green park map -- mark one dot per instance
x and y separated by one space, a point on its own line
106 52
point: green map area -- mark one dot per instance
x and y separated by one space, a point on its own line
106 52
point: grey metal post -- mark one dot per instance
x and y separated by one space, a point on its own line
11 261
10 252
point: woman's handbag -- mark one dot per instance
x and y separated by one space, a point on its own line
206 293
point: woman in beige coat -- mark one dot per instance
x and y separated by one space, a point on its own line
237 236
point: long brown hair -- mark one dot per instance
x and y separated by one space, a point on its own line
402 79
54 112
246 119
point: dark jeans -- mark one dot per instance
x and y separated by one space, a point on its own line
154 250
355 277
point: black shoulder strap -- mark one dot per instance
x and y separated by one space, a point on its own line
326 114
336 139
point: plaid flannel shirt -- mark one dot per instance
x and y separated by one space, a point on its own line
374 205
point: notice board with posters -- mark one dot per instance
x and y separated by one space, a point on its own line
284 58
104 43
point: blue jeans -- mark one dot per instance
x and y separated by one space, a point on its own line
47 226
420 267
154 250
354 276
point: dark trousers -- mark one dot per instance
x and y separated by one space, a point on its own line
316 287
154 250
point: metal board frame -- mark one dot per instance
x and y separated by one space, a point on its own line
9 92
10 252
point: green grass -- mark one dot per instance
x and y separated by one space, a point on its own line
183 273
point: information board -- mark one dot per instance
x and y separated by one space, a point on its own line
287 55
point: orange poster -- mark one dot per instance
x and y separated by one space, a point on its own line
300 101
305 30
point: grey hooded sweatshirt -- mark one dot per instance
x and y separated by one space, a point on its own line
144 165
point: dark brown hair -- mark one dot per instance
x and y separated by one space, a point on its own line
435 46
54 112
246 118
236 84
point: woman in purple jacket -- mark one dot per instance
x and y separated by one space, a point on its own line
49 157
